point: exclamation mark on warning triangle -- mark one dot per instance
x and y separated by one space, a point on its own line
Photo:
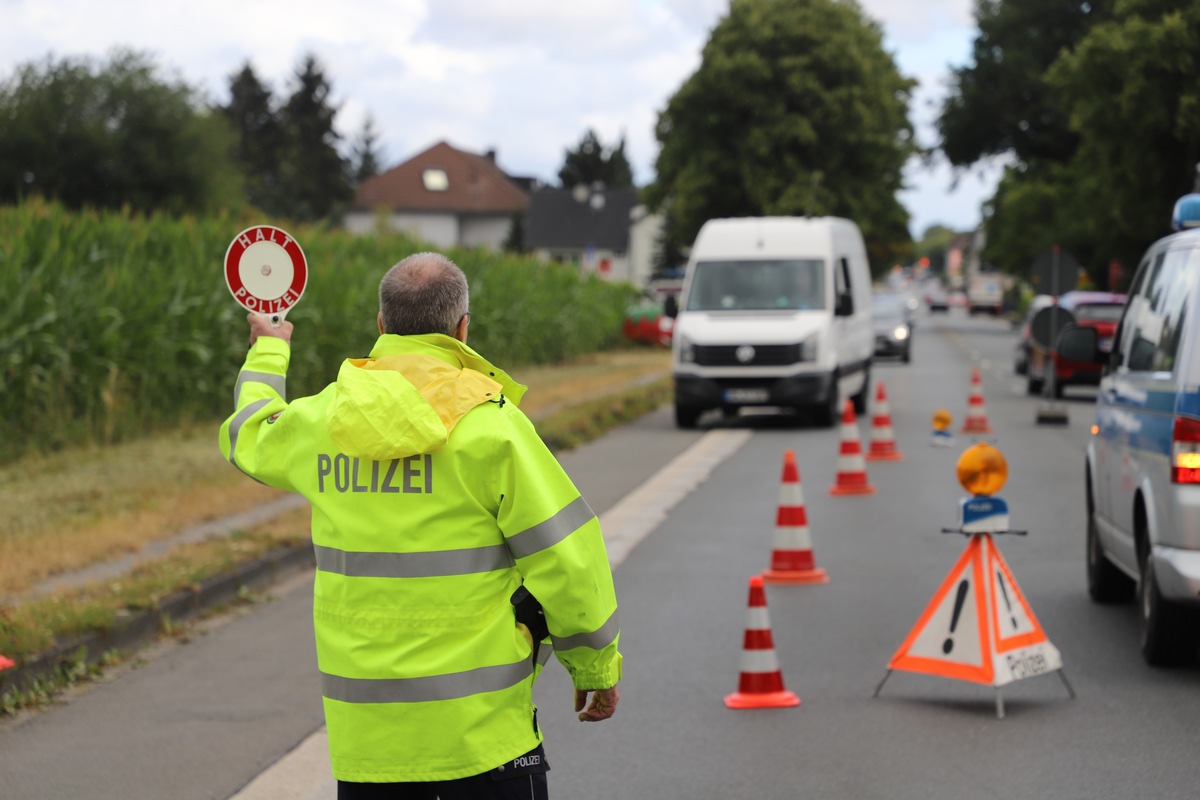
959 599
1007 602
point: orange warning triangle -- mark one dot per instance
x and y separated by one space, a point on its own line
978 627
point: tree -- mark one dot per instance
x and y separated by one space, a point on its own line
260 139
1002 103
668 258
1122 80
366 157
796 109
933 244
315 175
110 135
1134 89
591 162
514 241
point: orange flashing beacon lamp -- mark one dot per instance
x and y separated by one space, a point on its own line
982 471
942 437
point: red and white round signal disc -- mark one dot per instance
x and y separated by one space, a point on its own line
265 270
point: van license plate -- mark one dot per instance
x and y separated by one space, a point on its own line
747 395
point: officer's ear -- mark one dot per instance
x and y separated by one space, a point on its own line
379 321
460 330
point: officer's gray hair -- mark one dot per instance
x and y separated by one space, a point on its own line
424 293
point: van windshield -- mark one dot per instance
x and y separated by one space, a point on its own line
793 284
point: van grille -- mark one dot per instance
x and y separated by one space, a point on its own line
765 355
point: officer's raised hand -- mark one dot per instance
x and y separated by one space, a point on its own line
261 326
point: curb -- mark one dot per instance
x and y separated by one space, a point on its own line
146 626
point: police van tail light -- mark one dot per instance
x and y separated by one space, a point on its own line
1185 451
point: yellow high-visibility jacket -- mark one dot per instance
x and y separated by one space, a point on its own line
433 499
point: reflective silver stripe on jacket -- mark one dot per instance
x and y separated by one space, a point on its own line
236 426
421 690
597 639
552 531
276 382
412 565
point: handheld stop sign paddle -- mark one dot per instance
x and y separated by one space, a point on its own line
265 271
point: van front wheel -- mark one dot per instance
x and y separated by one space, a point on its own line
686 416
827 414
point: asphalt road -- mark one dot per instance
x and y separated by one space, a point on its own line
1130 732
200 720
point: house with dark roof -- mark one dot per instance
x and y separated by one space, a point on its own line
606 231
444 196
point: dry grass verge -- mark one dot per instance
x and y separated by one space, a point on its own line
67 511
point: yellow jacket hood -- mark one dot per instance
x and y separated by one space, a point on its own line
407 396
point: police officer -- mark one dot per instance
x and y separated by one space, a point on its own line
435 508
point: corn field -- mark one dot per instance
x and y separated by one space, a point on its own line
114 325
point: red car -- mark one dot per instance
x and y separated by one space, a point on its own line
647 322
1099 310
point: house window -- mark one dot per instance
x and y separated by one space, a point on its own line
435 180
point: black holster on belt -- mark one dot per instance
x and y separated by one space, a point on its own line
529 613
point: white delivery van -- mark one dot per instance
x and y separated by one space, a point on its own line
775 311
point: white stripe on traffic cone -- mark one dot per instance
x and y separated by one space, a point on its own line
852 469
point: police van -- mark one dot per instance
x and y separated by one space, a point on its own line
775 311
1143 459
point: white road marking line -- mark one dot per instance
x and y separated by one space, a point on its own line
641 511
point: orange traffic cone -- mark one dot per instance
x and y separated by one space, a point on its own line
977 419
760 684
6 663
852 469
792 559
883 439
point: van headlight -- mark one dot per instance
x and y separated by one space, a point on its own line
810 347
901 333
687 354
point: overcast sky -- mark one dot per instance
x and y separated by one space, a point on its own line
523 77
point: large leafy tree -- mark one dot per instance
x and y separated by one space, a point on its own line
1134 89
1123 87
1002 103
316 178
591 162
796 108
112 134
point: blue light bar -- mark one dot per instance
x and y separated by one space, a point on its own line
1187 212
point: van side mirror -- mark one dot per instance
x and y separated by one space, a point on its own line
671 306
1080 344
844 305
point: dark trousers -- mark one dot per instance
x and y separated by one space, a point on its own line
522 778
